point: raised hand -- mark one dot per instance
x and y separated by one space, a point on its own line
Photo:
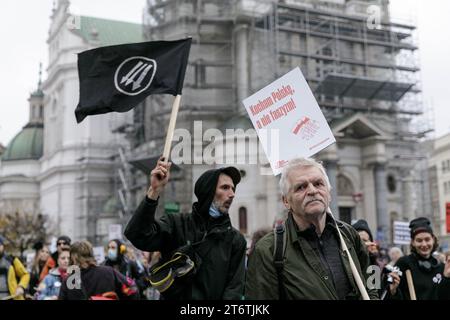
159 178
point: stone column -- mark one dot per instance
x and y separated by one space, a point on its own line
407 188
330 160
242 61
331 167
374 156
381 203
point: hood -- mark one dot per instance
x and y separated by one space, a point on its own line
362 225
205 187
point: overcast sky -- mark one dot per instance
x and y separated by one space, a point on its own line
24 28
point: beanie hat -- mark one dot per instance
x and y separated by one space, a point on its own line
66 239
38 245
419 225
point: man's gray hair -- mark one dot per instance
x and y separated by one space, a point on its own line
300 162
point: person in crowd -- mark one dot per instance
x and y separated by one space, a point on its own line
61 242
312 266
366 237
42 264
49 288
14 277
91 282
257 235
427 272
395 253
206 236
377 256
118 259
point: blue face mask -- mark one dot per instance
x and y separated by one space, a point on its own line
112 254
214 212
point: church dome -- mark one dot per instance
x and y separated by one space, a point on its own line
27 144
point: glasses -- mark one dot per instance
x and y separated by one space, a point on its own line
61 243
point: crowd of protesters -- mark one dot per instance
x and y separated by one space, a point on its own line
124 273
198 256
72 272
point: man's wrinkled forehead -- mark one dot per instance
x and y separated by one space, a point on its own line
305 174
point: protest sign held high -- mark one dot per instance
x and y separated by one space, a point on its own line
288 106
117 78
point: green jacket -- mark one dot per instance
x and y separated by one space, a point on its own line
303 274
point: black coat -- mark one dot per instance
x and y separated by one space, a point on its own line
427 283
221 274
97 280
130 269
222 271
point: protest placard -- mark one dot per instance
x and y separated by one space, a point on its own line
288 107
402 233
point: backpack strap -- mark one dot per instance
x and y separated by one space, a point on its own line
278 256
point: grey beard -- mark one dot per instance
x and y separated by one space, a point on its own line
219 209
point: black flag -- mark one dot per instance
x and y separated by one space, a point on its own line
117 78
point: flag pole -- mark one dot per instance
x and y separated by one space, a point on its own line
409 279
171 129
356 276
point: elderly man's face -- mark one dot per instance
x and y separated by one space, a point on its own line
308 195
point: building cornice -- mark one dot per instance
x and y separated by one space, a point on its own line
78 168
80 146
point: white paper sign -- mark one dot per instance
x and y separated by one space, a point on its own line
115 231
402 233
288 120
99 254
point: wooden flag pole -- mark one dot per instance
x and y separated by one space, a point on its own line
359 282
171 129
409 279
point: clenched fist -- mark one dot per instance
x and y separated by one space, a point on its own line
158 178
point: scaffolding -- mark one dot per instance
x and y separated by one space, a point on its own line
346 63
349 66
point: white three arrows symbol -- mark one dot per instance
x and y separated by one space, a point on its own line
140 67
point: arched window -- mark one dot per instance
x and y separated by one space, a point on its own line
243 220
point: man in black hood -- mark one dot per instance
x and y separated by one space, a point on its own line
217 249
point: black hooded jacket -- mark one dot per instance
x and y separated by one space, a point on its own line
221 274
